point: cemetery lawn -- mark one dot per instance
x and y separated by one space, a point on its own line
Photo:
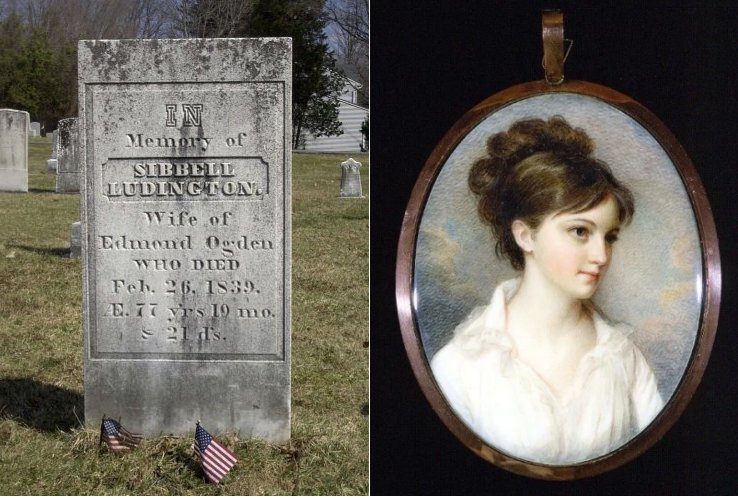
46 450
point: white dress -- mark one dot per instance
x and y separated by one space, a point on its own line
504 401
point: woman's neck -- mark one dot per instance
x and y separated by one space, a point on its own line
551 332
539 308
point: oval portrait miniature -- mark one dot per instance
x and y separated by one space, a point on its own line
558 279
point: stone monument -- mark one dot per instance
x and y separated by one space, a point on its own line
186 233
35 129
350 178
67 173
54 143
13 150
52 164
75 242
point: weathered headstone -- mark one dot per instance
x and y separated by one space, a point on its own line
75 246
13 150
186 233
55 144
35 129
67 173
350 178
52 165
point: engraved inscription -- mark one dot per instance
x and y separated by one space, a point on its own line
191 257
191 113
185 179
140 141
171 118
166 308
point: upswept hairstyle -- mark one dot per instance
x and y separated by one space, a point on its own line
539 168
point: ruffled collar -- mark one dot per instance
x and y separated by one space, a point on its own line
484 334
494 318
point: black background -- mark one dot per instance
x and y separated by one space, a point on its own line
434 60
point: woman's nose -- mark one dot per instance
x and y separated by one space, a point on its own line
599 251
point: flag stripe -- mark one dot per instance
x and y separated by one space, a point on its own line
115 441
213 478
218 468
219 459
215 465
116 444
216 473
222 457
225 454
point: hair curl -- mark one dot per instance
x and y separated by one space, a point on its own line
538 168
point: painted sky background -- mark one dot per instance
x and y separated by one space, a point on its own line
655 279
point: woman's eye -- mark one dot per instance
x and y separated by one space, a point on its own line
611 238
580 232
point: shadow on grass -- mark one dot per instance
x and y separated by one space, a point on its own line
61 252
355 216
41 190
41 406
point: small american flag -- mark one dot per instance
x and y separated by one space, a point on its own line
215 459
117 437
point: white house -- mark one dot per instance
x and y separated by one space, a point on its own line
351 115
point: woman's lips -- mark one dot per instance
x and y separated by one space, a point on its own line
592 276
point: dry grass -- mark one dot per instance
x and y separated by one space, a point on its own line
44 447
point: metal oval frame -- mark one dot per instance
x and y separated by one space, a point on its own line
710 264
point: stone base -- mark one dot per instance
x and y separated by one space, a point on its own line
157 397
14 181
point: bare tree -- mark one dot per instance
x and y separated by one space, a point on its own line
209 18
71 20
351 17
350 20
39 47
151 18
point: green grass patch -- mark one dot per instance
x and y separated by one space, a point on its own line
45 448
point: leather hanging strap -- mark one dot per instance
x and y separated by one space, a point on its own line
553 46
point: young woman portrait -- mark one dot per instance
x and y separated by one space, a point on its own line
557 280
539 371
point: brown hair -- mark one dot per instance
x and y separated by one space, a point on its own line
538 168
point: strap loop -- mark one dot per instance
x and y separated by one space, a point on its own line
553 46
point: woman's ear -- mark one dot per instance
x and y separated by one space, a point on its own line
523 235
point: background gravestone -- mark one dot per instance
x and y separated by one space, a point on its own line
67 173
52 164
13 150
54 144
35 129
350 178
186 233
75 242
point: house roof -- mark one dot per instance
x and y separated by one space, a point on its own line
351 73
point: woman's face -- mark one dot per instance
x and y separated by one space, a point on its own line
571 251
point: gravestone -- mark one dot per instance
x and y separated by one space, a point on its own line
67 173
54 144
75 245
13 150
186 233
52 164
35 129
350 178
